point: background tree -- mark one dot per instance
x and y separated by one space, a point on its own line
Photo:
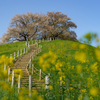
57 25
22 27
31 26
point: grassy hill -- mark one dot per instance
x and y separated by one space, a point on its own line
65 51
73 67
10 48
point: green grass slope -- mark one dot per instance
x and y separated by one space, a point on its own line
59 46
10 48
76 68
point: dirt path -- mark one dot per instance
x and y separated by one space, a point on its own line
21 63
23 60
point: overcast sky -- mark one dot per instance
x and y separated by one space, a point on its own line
84 13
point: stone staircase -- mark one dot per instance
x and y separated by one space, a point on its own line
21 63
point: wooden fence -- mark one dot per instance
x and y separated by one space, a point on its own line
29 66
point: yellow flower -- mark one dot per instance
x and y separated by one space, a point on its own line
53 46
71 88
44 68
82 46
41 60
49 49
58 51
72 67
39 98
46 59
74 46
45 55
83 90
79 69
89 81
46 64
6 61
68 90
94 68
80 97
53 68
57 66
5 98
50 87
20 97
91 97
97 39
80 56
5 86
2 58
98 47
28 98
94 91
60 78
67 99
62 44
11 59
5 73
97 53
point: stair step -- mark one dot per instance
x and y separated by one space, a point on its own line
18 67
21 63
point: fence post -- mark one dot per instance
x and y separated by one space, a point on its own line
24 50
12 78
30 63
31 57
32 68
5 67
28 46
34 53
21 52
14 55
36 44
8 74
39 41
50 38
30 84
42 40
18 53
27 69
10 55
40 74
37 51
46 82
35 41
19 83
26 43
41 48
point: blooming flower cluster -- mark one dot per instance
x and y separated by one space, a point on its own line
78 82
